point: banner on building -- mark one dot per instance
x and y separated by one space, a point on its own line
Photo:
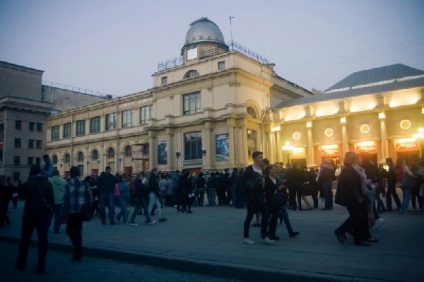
162 153
222 147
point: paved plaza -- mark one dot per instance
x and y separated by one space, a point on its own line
209 241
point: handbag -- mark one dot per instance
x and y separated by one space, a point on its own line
86 212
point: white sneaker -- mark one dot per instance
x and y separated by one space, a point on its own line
268 241
133 224
378 223
248 241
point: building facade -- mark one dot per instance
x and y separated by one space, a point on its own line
375 113
205 110
25 104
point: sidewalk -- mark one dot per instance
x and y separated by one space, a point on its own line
210 241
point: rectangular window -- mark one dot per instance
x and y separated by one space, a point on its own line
80 127
17 160
192 146
221 65
30 160
145 114
16 176
110 122
31 144
39 127
31 126
67 130
95 125
192 103
17 142
55 133
38 144
127 118
18 124
164 80
38 161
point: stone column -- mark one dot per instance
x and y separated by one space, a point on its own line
207 145
345 146
152 150
311 155
231 124
384 145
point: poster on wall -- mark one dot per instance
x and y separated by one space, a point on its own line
222 147
162 153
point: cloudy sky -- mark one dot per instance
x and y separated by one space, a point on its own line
115 46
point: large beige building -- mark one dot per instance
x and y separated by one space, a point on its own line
375 113
205 110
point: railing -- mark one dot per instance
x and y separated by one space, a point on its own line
76 89
234 46
171 63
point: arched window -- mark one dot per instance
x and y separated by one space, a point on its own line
191 73
67 158
128 151
54 159
80 156
251 111
95 155
110 153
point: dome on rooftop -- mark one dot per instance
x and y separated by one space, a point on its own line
203 30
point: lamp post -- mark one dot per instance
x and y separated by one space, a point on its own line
420 138
288 149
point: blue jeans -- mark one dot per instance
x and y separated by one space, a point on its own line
140 203
106 197
406 198
286 219
153 200
123 206
328 195
57 212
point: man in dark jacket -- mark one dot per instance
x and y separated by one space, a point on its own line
326 178
39 200
254 182
106 185
391 189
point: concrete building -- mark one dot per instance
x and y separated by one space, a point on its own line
206 109
375 113
25 105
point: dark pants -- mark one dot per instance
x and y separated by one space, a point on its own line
292 197
415 194
57 214
140 203
201 198
74 231
357 222
391 191
41 225
272 218
252 209
328 195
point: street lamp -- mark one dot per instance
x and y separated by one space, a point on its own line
420 138
288 149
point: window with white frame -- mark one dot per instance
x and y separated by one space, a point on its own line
67 158
110 121
67 130
128 151
191 103
145 114
95 155
55 133
127 118
80 156
221 65
191 73
164 80
110 153
80 127
95 125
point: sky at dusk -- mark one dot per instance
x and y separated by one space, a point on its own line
115 46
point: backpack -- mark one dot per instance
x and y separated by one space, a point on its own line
399 173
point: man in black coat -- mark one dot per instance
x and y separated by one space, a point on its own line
38 195
106 185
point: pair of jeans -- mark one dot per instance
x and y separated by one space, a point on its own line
140 203
57 213
252 209
406 198
391 192
41 225
328 195
286 219
154 200
107 198
123 206
74 231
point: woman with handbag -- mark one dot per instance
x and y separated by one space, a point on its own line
77 205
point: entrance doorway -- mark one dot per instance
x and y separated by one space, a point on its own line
409 157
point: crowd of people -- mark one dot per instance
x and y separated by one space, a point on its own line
267 191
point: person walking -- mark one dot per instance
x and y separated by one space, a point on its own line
141 199
254 182
408 181
123 199
201 188
59 185
38 195
391 187
153 189
77 194
326 178
106 185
